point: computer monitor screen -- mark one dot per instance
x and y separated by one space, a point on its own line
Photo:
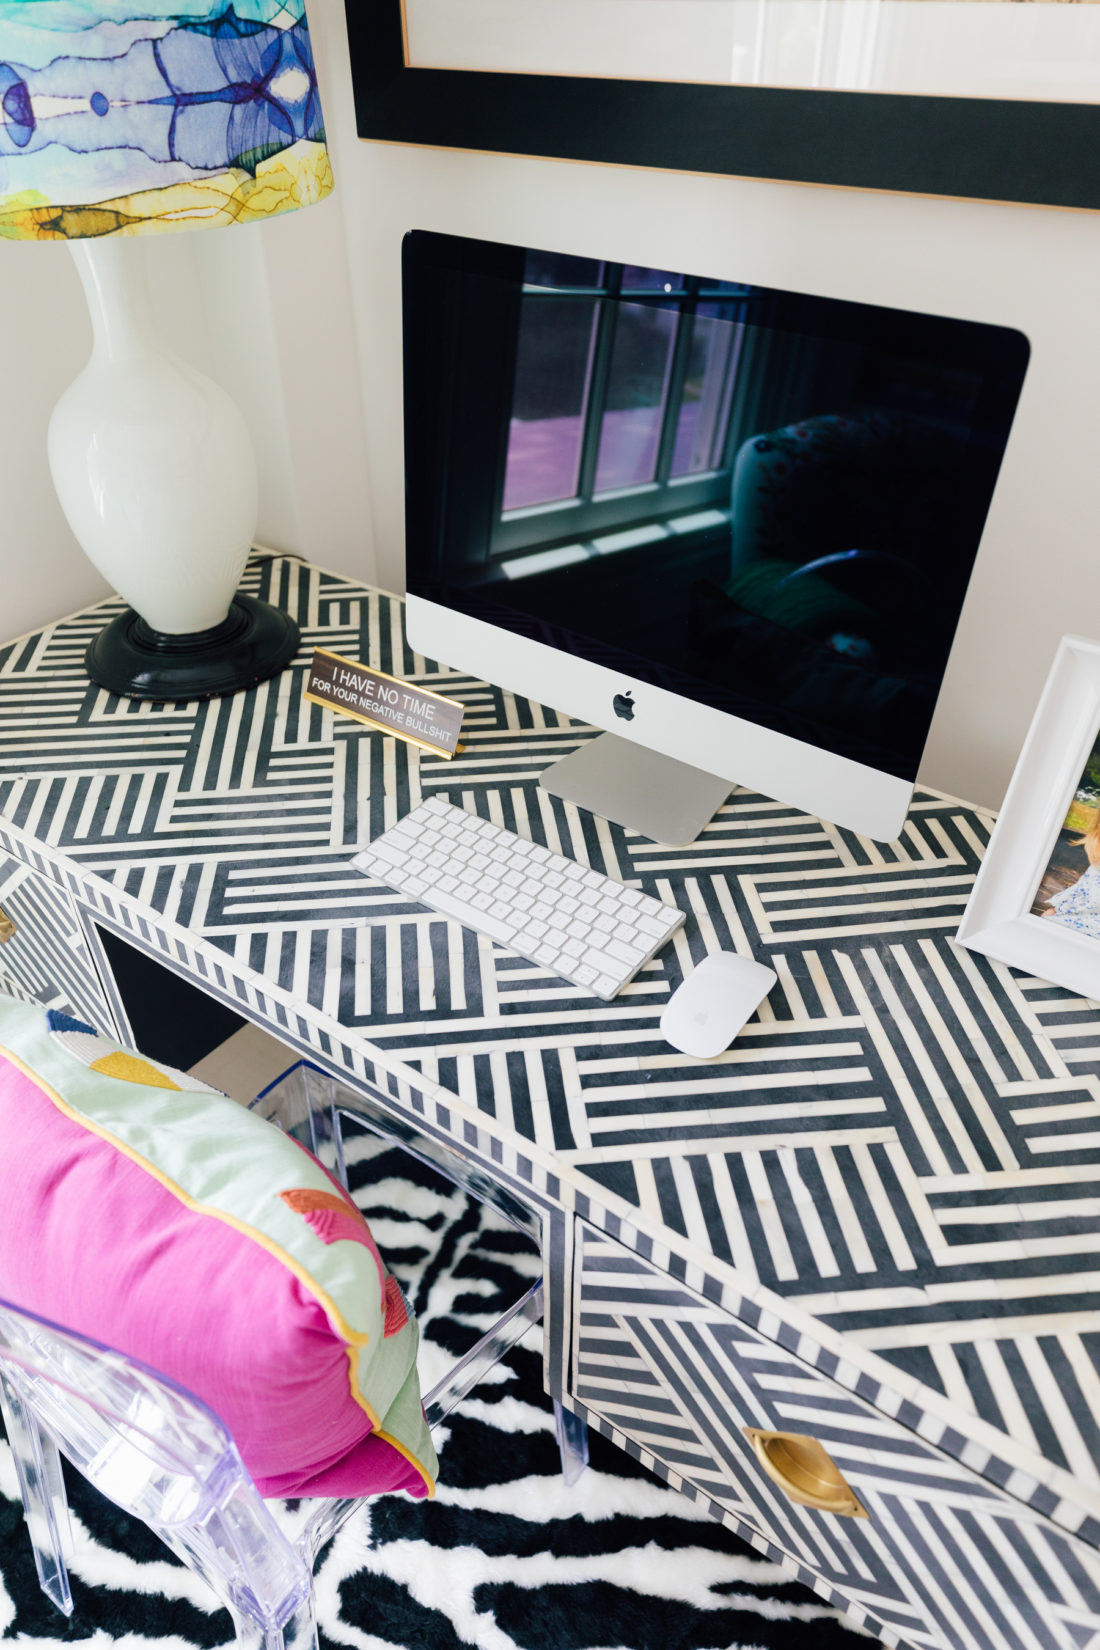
735 524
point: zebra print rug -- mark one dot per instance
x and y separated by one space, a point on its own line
504 1558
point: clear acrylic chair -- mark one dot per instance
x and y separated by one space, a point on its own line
159 1453
311 1105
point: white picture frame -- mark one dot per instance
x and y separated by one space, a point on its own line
999 920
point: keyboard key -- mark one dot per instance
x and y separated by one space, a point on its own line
607 963
473 918
651 926
389 853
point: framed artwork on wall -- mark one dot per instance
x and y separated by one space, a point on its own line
1036 900
996 101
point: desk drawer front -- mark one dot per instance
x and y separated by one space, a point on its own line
942 1559
46 959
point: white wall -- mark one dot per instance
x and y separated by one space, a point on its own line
317 368
44 332
266 310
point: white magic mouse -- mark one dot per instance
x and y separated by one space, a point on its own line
705 1013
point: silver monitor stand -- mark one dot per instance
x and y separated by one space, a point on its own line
665 800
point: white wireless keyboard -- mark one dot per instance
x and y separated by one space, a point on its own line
584 926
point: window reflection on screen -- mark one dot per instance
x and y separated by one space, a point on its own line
764 501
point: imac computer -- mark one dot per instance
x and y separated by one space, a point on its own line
733 524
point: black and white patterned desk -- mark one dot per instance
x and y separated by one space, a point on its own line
873 1220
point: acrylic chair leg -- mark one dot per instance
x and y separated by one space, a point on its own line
45 1505
298 1633
572 1436
489 1350
329 1517
326 1140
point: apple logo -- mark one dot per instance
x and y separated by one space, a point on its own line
623 705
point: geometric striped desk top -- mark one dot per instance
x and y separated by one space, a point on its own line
898 1155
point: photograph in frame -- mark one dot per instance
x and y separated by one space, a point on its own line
1069 892
1035 903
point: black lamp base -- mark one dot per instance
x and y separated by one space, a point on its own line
253 642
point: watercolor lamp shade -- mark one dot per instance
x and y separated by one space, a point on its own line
117 119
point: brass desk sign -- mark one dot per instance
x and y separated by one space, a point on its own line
385 702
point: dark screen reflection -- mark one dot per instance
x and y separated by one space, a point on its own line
766 502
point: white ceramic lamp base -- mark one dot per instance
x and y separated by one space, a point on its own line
154 469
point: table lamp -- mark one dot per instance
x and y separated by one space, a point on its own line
133 117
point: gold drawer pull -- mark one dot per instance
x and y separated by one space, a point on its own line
7 927
804 1471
